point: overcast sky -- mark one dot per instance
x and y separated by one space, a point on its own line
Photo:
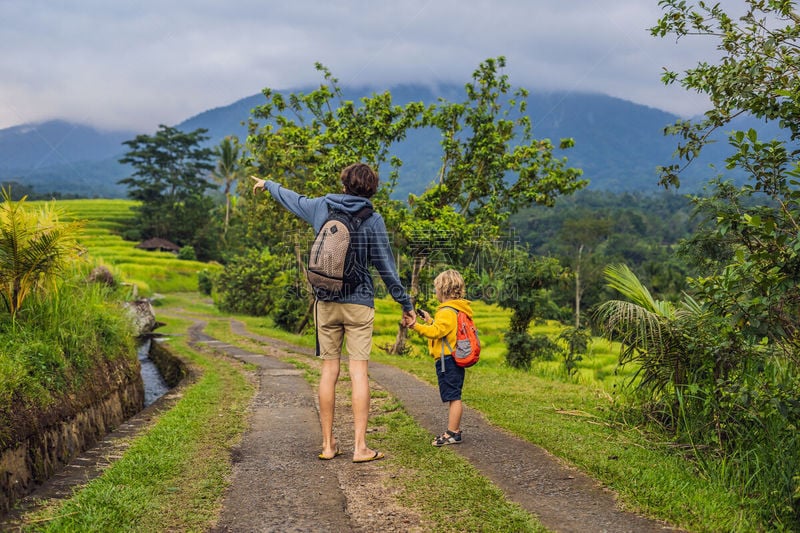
121 64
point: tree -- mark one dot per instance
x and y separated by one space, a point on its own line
227 171
170 179
756 282
526 285
491 167
35 248
583 235
744 342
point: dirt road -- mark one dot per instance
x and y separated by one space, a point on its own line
276 487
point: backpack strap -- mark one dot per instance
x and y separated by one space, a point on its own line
364 213
444 339
359 216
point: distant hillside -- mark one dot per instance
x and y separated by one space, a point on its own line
59 156
618 144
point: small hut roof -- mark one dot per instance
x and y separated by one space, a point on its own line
158 243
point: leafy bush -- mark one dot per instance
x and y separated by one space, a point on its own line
577 343
205 282
187 253
131 235
292 304
246 283
523 348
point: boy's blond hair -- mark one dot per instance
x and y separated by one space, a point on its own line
450 284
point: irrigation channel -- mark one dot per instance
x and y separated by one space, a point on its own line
154 384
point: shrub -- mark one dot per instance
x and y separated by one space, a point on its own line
292 305
577 343
245 285
524 347
205 282
187 253
133 235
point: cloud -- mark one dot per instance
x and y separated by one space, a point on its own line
135 65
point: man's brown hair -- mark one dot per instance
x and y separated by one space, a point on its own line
360 180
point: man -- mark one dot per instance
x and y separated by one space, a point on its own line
350 313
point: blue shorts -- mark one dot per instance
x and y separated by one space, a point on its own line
451 381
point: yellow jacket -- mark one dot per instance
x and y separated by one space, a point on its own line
444 324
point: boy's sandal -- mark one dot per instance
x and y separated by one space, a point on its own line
448 437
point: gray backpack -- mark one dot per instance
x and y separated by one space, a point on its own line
332 263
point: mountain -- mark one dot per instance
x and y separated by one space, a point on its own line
618 144
59 156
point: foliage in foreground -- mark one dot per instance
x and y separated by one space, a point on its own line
55 341
35 248
732 402
738 393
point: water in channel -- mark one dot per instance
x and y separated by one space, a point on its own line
154 384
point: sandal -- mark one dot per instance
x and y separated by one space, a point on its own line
336 453
375 457
448 437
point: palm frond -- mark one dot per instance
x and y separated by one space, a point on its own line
623 280
647 329
630 324
34 248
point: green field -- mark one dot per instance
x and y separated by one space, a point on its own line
150 271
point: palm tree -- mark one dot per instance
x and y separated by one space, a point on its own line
653 333
227 171
34 249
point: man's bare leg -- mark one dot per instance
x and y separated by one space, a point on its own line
359 379
327 403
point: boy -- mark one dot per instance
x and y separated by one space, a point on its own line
450 291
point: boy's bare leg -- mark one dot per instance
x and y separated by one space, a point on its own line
454 415
327 403
359 379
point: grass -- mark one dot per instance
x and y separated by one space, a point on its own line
173 477
49 351
464 499
570 419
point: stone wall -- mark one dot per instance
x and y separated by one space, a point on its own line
172 369
71 427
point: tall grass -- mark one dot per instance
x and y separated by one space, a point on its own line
56 338
744 435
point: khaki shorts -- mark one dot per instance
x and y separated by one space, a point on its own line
335 321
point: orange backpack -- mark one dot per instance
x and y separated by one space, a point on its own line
468 346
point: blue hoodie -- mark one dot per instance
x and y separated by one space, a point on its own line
378 253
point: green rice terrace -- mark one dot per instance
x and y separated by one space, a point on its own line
151 271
